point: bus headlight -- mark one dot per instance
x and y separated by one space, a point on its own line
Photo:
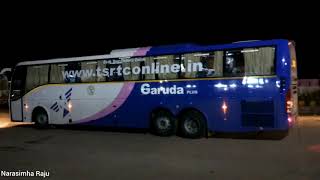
69 105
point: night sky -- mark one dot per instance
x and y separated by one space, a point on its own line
39 33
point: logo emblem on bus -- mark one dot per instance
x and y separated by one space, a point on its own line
91 90
56 106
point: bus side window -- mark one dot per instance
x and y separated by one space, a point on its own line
259 61
211 64
114 74
233 63
107 70
185 60
249 62
37 75
101 77
165 68
18 82
89 69
73 72
57 73
149 75
131 69
203 64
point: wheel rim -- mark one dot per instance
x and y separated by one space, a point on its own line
42 119
163 123
191 126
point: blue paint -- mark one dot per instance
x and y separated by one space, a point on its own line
239 97
69 91
65 112
55 104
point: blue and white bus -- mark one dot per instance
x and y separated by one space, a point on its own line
189 89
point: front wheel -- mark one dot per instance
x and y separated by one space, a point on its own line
163 123
40 118
192 124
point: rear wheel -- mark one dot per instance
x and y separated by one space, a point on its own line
192 124
40 117
163 123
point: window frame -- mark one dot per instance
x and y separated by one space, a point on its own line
242 48
174 54
23 82
30 66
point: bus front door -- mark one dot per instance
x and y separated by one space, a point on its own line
16 93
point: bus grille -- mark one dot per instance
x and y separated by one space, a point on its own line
257 113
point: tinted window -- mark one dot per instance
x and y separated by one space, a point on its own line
18 78
202 64
69 72
99 72
88 71
150 68
65 72
73 72
113 70
131 69
168 66
57 73
149 62
249 62
258 61
37 75
234 63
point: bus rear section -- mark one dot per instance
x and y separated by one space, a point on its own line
292 95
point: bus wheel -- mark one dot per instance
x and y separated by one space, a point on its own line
192 124
163 123
40 118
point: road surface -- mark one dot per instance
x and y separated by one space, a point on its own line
84 154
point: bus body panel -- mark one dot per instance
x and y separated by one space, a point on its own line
127 106
16 106
78 102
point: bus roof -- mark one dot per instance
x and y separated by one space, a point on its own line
159 50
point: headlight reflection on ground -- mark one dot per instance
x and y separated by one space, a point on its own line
6 123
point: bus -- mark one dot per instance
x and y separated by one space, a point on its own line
186 89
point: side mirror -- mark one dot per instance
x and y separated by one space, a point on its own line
15 94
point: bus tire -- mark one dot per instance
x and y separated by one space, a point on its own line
192 124
163 123
40 118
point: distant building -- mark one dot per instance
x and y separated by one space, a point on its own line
309 96
308 85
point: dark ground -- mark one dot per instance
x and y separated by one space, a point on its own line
85 154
